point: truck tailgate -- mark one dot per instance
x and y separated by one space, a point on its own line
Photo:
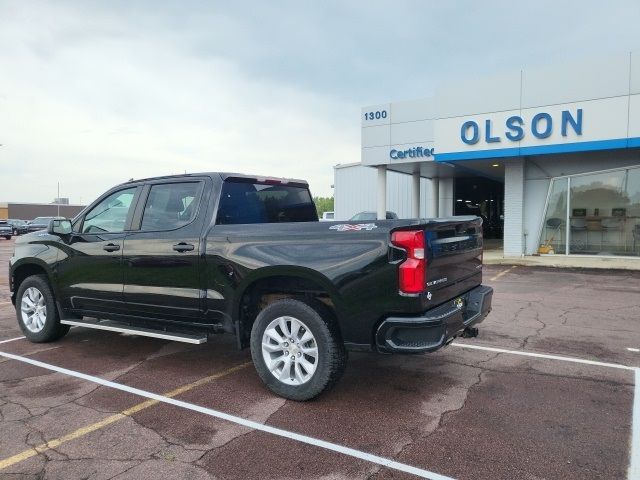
454 257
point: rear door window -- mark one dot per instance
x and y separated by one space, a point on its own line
170 205
244 201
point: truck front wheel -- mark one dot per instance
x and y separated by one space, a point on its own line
37 312
296 349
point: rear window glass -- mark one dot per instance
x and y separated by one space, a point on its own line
255 202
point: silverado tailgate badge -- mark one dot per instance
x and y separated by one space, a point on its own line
348 227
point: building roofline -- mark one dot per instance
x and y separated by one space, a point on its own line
6 204
347 165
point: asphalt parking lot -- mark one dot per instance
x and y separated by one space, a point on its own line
498 412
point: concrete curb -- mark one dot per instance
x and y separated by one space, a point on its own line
562 261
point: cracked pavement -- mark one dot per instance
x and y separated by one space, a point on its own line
468 414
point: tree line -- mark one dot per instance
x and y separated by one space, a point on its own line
323 204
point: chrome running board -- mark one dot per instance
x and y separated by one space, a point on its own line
144 332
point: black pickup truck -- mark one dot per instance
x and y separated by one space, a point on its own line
182 257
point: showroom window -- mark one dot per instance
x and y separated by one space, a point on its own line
593 214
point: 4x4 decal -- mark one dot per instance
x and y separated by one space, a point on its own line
348 227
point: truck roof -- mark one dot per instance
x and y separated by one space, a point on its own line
228 175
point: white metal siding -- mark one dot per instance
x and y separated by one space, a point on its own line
513 206
355 191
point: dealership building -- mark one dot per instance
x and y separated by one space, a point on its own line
549 157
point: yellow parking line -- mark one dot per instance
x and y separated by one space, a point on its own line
7 462
502 273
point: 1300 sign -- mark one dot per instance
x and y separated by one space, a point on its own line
375 115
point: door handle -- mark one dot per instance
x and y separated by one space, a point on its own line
111 247
183 247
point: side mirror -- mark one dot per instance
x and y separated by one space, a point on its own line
59 227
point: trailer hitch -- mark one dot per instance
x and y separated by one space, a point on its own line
470 332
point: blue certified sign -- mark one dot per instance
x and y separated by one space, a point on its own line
414 152
541 126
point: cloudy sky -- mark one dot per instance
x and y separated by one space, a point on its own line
95 93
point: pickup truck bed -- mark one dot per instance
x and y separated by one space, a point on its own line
192 255
355 269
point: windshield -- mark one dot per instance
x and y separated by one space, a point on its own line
41 220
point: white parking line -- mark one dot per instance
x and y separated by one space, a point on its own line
633 472
545 355
634 461
385 462
634 464
12 339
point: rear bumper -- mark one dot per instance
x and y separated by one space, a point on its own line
437 327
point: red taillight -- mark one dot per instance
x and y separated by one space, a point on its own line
412 272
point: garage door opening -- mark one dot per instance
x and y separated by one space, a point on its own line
483 197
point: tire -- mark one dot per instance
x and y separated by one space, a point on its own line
44 324
7 237
307 377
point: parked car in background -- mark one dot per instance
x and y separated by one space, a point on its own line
5 230
39 223
367 216
327 216
18 227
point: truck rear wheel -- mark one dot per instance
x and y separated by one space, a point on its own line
296 349
36 311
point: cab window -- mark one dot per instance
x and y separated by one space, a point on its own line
170 206
110 215
247 201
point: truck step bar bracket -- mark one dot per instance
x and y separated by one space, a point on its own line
144 332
